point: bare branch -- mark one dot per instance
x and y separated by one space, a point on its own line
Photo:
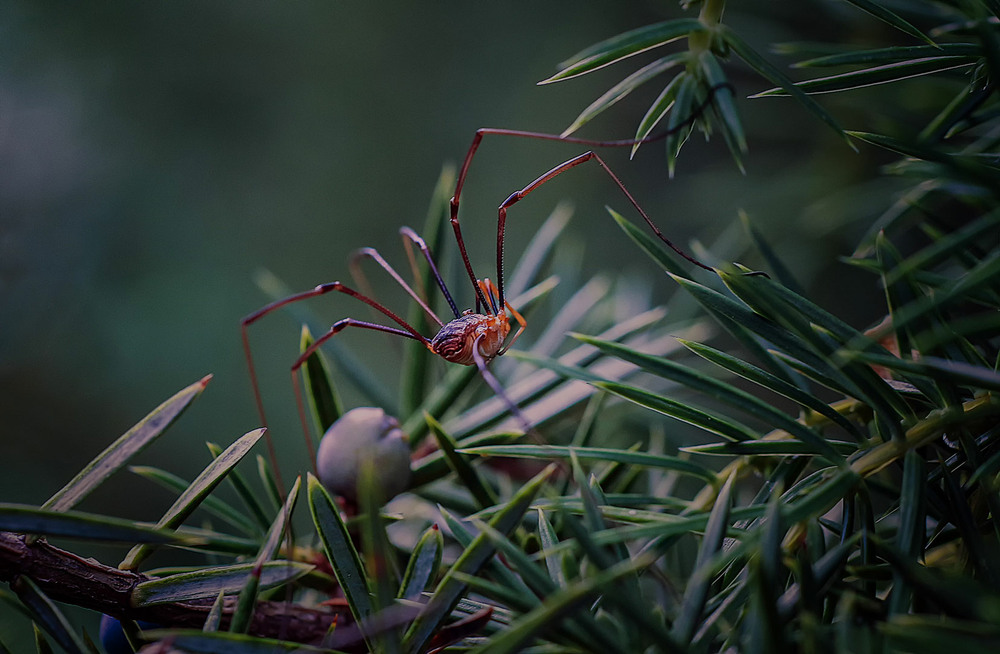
66 577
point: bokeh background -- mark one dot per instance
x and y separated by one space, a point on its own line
155 156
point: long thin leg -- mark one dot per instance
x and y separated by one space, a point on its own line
495 386
359 276
337 327
621 143
274 306
410 236
515 410
517 196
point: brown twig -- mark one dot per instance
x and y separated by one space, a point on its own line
66 577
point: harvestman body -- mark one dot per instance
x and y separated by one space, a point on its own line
470 338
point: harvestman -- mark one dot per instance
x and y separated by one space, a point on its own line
471 337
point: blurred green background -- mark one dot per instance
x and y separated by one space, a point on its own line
156 156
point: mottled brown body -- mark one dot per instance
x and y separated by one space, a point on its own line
456 339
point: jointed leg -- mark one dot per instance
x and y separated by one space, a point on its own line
322 289
495 386
517 196
480 133
337 327
410 236
362 280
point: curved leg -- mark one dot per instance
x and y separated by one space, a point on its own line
495 386
480 133
410 236
337 327
517 196
322 289
362 280
515 410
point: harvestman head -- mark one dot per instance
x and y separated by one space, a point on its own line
470 337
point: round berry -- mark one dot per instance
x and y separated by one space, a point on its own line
359 435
